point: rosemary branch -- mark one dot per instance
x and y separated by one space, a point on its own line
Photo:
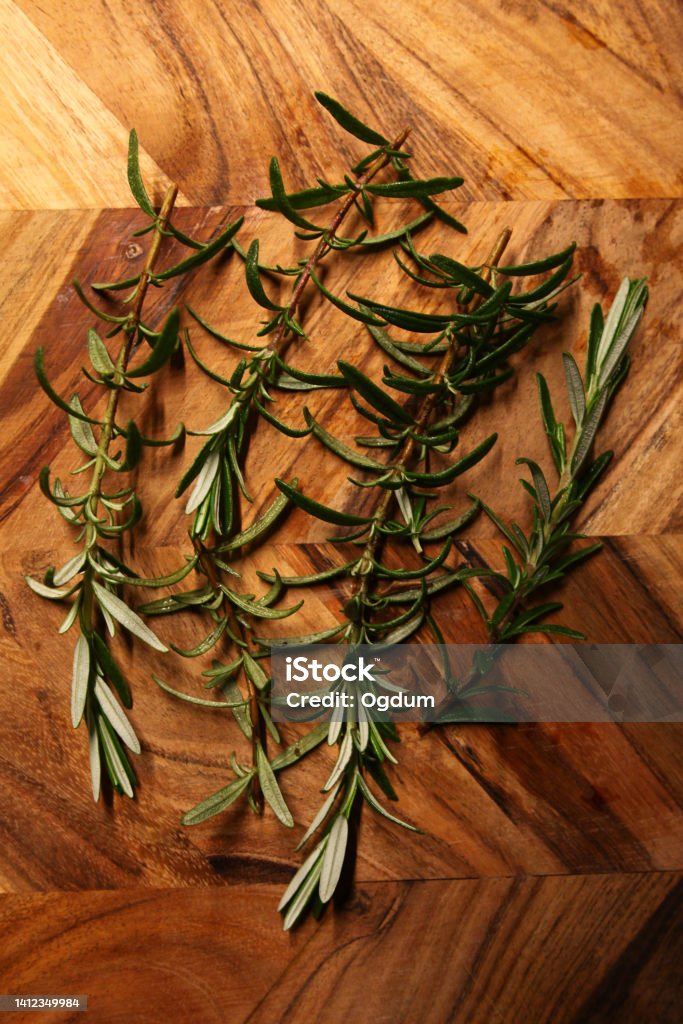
92 579
488 325
278 343
422 420
263 365
543 553
249 389
130 331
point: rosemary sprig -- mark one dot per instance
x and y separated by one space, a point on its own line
415 444
539 558
475 341
217 471
92 579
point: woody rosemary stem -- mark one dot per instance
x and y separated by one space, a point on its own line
130 330
257 726
281 337
323 246
388 498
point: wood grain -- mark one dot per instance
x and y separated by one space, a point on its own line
57 135
567 950
26 283
526 100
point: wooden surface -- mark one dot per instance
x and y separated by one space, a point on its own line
546 886
497 949
528 100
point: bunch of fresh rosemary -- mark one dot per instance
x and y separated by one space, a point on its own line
217 473
441 364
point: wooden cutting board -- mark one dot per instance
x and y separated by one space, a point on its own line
547 883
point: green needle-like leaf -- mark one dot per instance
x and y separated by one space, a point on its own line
295 751
310 869
363 315
540 485
164 348
538 266
457 468
133 447
333 858
199 701
415 189
589 429
69 569
99 356
350 123
116 717
254 671
204 645
340 449
328 515
217 802
459 274
374 395
375 241
307 198
254 284
270 788
206 253
80 680
281 201
376 806
577 397
259 611
111 670
67 407
51 593
264 523
135 181
304 640
127 617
